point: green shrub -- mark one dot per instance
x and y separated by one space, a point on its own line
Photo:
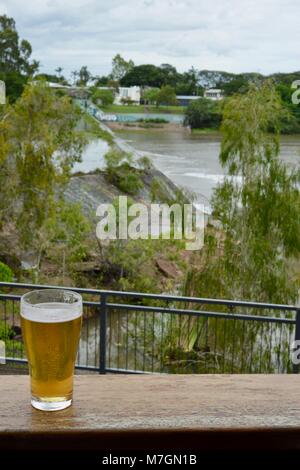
145 163
6 274
203 113
121 173
153 120
6 332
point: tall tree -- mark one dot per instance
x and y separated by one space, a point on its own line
74 76
84 76
120 67
143 75
203 113
258 207
15 64
38 145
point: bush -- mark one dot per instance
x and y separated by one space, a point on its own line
145 163
6 274
106 97
166 96
203 113
121 173
153 120
6 332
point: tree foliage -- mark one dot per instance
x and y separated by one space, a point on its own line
15 63
83 76
6 274
120 67
150 95
203 113
38 147
149 75
121 172
166 96
258 206
103 97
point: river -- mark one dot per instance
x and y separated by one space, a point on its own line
190 161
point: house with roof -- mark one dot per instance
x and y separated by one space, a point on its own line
213 94
184 100
130 95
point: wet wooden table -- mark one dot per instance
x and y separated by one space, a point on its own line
151 412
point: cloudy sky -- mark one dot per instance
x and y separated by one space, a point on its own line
232 35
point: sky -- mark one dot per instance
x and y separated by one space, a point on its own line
232 35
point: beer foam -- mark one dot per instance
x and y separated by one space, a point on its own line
51 312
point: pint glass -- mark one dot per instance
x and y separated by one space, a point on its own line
51 324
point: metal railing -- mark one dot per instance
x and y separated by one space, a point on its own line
135 332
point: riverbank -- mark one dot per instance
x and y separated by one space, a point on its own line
206 131
140 126
162 127
145 109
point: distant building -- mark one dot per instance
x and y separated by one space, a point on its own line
132 94
213 94
111 88
184 100
71 90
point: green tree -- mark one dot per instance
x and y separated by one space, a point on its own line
100 80
170 76
6 274
15 64
103 97
150 96
120 67
187 83
143 75
260 217
166 96
64 234
84 76
202 113
39 144
238 84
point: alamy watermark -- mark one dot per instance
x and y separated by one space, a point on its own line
2 92
141 221
296 95
295 352
2 352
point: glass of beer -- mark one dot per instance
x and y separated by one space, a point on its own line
51 324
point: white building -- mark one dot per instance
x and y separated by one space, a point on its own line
132 94
213 94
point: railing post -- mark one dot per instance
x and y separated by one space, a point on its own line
102 335
297 337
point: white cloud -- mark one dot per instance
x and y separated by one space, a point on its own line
232 35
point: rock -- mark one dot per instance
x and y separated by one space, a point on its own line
168 268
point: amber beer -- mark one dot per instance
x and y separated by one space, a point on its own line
51 324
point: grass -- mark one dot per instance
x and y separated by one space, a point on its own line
114 108
206 130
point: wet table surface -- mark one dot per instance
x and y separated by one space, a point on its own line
157 411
